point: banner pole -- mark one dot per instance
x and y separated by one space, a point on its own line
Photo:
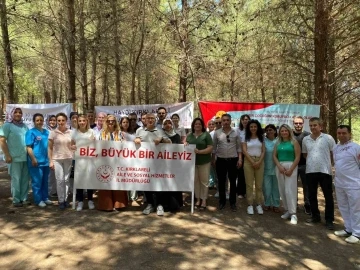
192 202
74 196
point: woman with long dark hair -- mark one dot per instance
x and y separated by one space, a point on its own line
241 186
254 152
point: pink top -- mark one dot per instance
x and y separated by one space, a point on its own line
61 144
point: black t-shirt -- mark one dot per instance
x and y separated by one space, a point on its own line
299 137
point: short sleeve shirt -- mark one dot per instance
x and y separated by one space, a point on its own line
347 165
318 153
38 141
15 139
146 135
201 142
77 135
61 144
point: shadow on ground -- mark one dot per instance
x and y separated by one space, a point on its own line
34 238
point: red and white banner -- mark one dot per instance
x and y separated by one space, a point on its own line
265 113
113 165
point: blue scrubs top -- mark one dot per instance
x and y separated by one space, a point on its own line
38 141
15 139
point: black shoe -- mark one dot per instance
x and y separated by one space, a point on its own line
233 207
330 225
221 206
307 209
313 220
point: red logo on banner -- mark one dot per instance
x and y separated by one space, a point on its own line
105 173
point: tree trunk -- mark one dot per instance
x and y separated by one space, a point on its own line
184 39
10 91
82 58
92 102
71 51
321 39
116 49
105 83
332 82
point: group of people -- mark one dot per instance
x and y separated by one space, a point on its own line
273 162
261 167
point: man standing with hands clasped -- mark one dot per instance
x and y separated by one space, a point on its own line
317 149
299 135
227 151
347 183
152 134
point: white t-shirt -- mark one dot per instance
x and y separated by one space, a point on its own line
347 165
254 147
78 136
318 153
241 133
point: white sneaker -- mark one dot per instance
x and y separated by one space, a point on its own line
42 204
160 210
286 215
91 205
342 233
48 202
80 206
259 209
293 219
250 210
149 208
352 240
216 195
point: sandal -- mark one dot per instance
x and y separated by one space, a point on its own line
276 209
266 208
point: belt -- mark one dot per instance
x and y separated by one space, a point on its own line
232 158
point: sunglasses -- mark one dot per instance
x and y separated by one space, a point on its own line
217 123
298 124
110 121
228 138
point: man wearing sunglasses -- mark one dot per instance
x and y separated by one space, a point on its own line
161 115
299 135
133 122
227 158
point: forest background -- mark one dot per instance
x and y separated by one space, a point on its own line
118 52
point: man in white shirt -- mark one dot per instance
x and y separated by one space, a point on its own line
317 149
227 157
347 183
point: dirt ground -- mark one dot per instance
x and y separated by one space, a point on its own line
34 238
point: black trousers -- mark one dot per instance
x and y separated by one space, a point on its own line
325 181
241 185
226 167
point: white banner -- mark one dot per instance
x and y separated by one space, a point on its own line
184 109
113 165
45 109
